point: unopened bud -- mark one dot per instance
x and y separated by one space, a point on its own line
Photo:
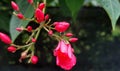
73 39
50 32
19 29
68 34
30 1
33 40
47 17
34 59
5 38
20 16
11 49
39 15
23 55
29 28
41 6
14 6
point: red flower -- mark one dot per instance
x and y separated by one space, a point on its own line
14 6
34 59
64 55
11 49
61 26
5 38
39 15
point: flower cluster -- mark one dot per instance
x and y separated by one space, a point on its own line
64 52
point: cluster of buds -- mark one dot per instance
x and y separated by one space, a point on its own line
64 53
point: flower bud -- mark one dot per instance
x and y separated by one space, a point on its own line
30 1
50 32
47 17
39 15
11 49
20 16
5 38
23 55
14 6
41 6
33 40
73 39
19 29
34 59
68 34
29 28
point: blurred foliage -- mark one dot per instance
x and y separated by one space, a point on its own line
5 11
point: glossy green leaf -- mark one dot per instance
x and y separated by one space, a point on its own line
112 7
28 11
74 6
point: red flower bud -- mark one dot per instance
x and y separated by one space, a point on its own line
19 29
39 15
33 40
50 32
61 26
68 34
34 59
41 6
73 39
5 38
14 6
30 1
29 28
20 16
11 49
47 17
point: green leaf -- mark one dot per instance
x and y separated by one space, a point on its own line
112 7
64 8
28 11
74 6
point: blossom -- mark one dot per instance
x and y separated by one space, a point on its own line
39 15
5 38
61 26
64 55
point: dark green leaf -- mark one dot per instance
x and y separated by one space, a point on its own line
64 8
74 6
112 7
